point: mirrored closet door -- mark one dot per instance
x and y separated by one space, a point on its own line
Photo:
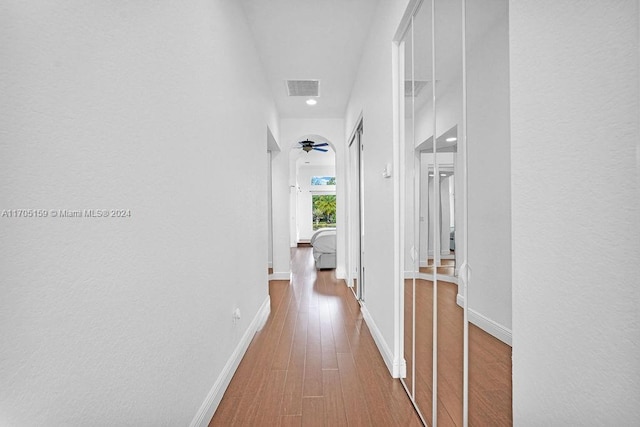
454 144
421 215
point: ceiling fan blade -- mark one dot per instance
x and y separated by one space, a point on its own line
320 149
324 144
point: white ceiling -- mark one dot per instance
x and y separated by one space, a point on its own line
310 40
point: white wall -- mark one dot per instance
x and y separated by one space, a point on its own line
576 231
292 131
140 106
372 97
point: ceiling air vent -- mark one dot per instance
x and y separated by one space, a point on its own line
418 85
303 87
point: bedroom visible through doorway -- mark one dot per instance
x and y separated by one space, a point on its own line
313 184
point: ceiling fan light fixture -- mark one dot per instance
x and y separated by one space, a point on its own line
311 101
307 146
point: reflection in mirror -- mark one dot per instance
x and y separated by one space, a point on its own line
445 260
489 233
455 165
423 126
449 121
406 55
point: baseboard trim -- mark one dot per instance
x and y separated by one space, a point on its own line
394 366
280 275
210 404
427 276
489 326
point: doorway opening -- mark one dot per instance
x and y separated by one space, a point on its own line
313 188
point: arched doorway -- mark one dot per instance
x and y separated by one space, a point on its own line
312 179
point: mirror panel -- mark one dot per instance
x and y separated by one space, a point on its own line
423 129
409 282
489 234
449 118
456 173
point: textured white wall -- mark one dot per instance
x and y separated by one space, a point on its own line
576 231
372 97
142 106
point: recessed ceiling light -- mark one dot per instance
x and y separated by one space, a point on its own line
451 139
311 101
443 174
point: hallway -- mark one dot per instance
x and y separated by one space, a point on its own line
314 362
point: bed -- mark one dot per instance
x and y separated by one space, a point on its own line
324 248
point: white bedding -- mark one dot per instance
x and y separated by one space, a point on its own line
324 248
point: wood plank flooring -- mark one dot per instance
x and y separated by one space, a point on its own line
447 267
490 396
314 362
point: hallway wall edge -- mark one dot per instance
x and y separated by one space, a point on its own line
395 366
210 404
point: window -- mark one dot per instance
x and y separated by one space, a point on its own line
323 180
324 211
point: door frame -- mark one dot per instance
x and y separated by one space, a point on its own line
355 217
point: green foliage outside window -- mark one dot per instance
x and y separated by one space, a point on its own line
324 211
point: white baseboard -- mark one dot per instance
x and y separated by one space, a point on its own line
210 404
394 366
270 264
440 277
349 280
427 276
486 324
280 275
444 255
402 367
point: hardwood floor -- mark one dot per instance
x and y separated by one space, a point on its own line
314 362
447 267
490 395
445 270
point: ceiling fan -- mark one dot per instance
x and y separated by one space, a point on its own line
310 145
